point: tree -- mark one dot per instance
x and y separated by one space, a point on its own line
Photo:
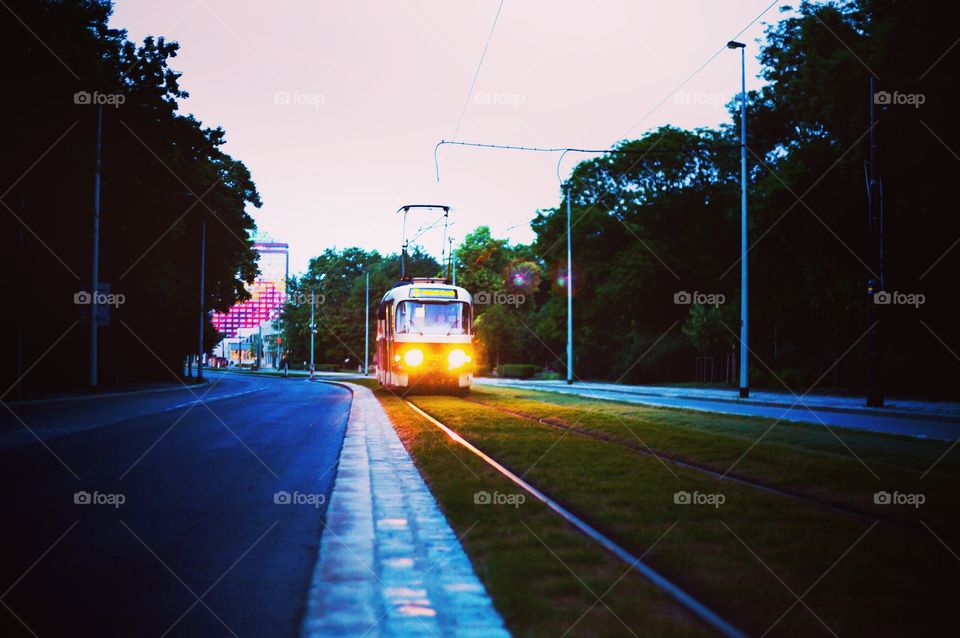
161 172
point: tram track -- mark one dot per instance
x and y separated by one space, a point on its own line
739 479
701 611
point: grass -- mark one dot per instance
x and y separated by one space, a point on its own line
743 559
845 467
544 577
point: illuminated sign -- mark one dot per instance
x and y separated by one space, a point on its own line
433 293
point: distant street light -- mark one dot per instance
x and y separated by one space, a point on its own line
313 302
366 330
744 324
569 283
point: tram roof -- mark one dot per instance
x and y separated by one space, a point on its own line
429 289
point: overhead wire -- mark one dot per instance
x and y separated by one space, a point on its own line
476 73
564 149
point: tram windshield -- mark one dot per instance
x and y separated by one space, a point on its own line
432 318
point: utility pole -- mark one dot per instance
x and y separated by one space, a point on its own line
874 355
313 303
744 297
449 254
366 330
259 345
95 270
203 316
569 283
453 267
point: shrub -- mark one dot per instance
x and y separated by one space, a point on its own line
517 370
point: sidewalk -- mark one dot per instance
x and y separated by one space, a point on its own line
901 408
920 419
389 564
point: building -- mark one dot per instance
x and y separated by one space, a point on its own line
250 323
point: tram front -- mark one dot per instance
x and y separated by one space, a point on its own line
424 336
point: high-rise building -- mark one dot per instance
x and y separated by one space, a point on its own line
256 315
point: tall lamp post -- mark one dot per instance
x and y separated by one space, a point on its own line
366 330
94 380
203 314
744 318
569 283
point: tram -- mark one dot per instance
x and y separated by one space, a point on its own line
425 336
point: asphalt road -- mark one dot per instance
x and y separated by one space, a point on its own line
198 546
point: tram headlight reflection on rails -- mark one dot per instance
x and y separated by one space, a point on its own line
457 358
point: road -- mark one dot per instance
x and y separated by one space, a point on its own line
915 424
198 546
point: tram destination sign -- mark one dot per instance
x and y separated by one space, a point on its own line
433 293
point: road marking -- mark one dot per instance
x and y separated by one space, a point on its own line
219 397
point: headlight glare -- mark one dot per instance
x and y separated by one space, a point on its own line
457 359
413 357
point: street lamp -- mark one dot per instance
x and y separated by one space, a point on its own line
744 325
569 283
203 313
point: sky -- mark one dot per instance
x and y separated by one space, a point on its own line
336 107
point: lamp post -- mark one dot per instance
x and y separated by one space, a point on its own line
569 283
203 315
93 380
366 329
744 315
313 329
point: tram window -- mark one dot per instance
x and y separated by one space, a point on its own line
433 318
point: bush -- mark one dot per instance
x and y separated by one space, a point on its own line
549 375
517 370
327 367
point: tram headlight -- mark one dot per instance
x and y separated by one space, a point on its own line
413 357
457 358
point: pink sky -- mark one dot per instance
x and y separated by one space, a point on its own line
373 86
